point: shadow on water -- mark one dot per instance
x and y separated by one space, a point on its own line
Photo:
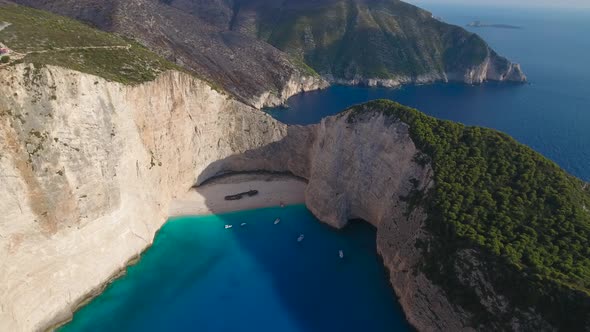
319 290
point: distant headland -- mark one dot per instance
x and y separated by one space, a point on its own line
479 24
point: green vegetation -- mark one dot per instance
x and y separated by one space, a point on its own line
47 39
5 59
378 39
36 30
529 218
129 66
299 63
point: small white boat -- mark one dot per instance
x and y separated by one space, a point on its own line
300 238
228 226
277 221
341 253
243 224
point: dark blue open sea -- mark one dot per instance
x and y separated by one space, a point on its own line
199 276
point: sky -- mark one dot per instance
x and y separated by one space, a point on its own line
512 3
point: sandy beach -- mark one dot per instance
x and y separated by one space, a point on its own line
273 189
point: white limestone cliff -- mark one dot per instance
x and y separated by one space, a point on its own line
88 168
493 68
296 84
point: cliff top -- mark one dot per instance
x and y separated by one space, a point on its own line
529 217
503 195
42 38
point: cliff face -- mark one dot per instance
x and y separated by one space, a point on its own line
88 168
493 68
364 164
296 84
366 170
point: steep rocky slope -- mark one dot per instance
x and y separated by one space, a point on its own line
88 168
263 51
252 70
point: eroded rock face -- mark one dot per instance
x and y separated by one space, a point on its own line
296 84
365 169
493 68
362 169
88 168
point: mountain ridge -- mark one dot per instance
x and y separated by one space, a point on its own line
387 41
263 51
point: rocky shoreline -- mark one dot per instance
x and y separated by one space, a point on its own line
295 85
488 70
87 298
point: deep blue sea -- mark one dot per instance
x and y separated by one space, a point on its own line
199 276
551 114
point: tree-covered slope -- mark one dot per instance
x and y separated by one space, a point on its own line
381 39
42 38
527 218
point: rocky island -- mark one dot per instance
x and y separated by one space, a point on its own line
98 135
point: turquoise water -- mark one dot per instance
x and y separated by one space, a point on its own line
551 114
199 276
